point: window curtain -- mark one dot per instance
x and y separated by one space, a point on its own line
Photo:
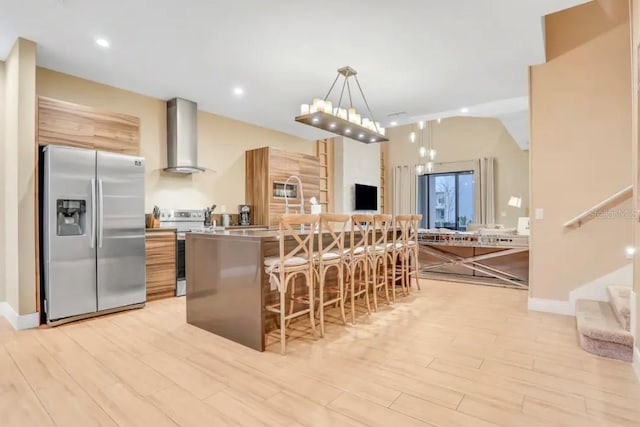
487 203
405 187
404 190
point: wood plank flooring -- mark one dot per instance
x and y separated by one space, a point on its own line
449 355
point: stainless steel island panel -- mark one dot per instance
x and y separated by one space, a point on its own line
224 286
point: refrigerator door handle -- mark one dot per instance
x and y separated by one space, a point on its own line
100 213
93 213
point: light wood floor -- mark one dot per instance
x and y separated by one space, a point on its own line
450 355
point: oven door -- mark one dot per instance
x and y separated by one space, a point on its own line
181 279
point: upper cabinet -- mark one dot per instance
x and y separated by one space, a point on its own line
65 123
267 170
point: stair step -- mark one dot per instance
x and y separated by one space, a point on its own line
620 297
600 333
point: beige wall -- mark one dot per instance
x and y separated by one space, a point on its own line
19 179
467 138
222 143
635 108
2 168
580 147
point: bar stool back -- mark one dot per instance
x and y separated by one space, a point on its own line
413 264
397 252
289 265
331 254
358 262
377 257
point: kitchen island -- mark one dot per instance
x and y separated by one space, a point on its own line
227 287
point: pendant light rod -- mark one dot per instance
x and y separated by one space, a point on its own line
331 88
365 101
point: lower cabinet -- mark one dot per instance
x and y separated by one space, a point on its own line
161 264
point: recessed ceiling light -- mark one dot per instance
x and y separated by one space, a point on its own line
394 123
464 110
102 42
238 91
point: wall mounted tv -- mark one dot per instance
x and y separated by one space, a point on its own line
366 198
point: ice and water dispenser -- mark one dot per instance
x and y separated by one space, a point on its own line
71 217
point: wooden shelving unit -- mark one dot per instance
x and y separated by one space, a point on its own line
324 151
383 177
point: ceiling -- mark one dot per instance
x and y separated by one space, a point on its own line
420 57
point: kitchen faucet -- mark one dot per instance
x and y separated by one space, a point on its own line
286 199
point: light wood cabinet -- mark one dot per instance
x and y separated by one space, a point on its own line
74 125
266 166
161 264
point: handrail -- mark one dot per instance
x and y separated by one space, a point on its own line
621 195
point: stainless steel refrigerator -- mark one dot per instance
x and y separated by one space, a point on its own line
93 231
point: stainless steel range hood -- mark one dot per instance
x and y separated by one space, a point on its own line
182 136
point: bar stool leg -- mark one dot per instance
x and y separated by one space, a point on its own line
383 263
312 314
283 316
341 290
323 272
374 271
353 293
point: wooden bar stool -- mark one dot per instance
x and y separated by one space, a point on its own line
412 261
289 265
330 255
397 252
377 257
357 261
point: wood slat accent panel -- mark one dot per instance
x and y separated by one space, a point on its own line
161 264
325 153
69 124
266 165
257 184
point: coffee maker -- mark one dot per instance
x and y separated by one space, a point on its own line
245 214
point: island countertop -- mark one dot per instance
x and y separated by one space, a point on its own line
227 286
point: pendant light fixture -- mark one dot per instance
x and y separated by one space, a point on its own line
322 114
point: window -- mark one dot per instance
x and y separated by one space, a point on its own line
446 200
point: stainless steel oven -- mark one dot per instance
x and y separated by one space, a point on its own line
183 220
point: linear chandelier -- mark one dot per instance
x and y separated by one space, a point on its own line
322 114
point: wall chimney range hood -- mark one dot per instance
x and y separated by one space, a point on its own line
182 137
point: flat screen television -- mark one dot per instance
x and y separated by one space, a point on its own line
366 198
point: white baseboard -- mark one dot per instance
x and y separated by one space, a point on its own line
566 308
596 290
19 322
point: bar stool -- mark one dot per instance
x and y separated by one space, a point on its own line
397 252
357 261
331 254
290 264
412 261
377 257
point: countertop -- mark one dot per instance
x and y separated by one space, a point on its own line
152 230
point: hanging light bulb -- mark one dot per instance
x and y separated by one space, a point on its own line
419 169
420 125
429 167
412 137
423 151
432 154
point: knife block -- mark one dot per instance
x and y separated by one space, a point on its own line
152 222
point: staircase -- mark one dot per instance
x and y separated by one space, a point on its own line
604 327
